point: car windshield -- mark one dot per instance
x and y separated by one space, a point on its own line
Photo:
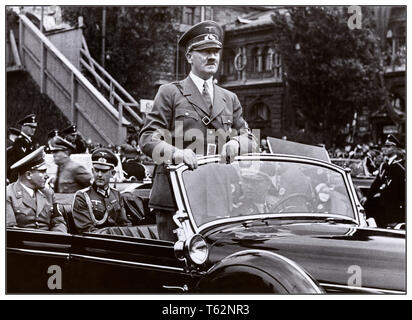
244 188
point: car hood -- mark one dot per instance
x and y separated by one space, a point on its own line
336 254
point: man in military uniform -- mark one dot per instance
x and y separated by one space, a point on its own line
100 206
197 107
28 203
386 198
72 135
70 176
13 133
50 136
255 187
23 144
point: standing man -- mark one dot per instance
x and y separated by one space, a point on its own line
23 144
100 206
199 117
28 203
70 176
72 135
386 198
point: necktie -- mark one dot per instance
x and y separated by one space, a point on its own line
206 95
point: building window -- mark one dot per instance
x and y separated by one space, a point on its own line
188 16
259 112
228 62
267 59
256 65
277 66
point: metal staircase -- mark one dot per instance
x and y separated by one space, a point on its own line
101 114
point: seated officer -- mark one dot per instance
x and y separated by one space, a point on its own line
100 206
28 203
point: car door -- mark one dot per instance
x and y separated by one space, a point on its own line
37 261
119 264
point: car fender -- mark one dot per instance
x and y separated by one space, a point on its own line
258 271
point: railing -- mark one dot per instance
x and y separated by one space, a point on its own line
69 89
116 94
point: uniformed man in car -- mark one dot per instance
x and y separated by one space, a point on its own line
192 111
23 144
100 206
70 176
29 204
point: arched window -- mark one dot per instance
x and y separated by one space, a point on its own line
277 66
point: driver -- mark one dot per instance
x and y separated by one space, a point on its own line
255 186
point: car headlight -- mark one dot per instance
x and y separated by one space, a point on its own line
197 249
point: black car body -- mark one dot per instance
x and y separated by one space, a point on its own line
298 243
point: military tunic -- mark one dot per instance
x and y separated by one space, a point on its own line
94 209
71 177
25 211
180 108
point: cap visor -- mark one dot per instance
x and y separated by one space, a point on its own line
207 45
101 166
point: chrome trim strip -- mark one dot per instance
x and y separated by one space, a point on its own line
127 262
39 252
363 289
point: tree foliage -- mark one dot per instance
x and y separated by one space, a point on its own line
138 41
331 70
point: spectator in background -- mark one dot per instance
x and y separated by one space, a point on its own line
386 198
13 133
264 148
70 176
72 135
23 144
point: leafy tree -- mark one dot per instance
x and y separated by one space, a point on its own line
139 41
331 70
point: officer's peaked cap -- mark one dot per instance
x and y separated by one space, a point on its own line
104 157
29 120
69 130
204 35
391 140
59 144
33 161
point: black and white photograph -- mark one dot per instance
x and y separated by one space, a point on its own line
191 150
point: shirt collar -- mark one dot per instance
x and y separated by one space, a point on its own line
199 83
104 192
29 190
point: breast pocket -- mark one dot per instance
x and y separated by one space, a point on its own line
186 119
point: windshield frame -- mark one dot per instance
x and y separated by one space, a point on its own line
182 200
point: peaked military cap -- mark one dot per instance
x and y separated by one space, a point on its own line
52 134
29 120
204 35
59 144
104 157
14 131
70 130
33 161
392 141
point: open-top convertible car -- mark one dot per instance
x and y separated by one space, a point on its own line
262 224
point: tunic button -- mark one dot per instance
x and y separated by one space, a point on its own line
187 113
211 131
